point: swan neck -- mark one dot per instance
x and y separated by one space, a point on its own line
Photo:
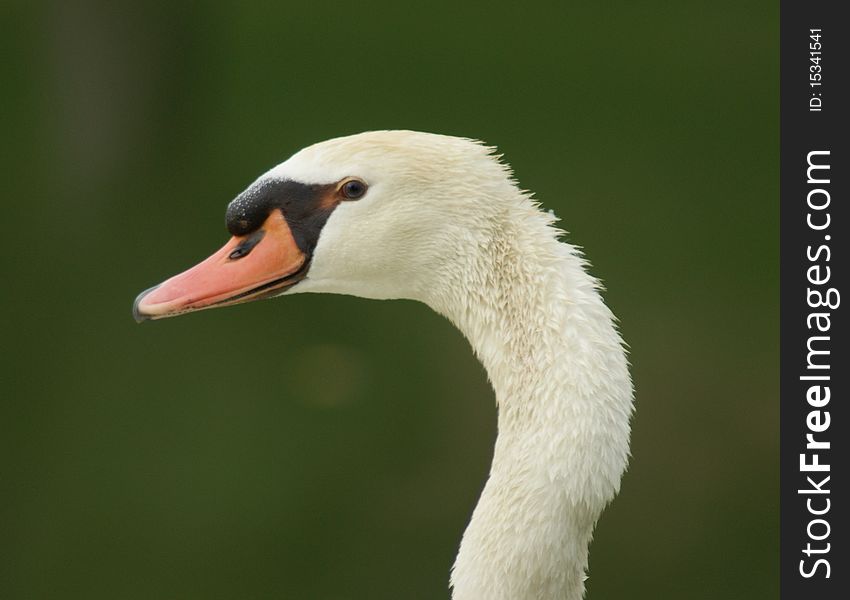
557 365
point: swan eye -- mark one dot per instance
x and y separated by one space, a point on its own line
353 189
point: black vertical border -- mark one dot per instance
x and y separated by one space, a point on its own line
802 131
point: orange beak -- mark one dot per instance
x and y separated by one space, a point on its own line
249 267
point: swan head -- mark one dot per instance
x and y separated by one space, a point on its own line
379 215
400 214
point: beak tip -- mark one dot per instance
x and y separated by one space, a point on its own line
138 315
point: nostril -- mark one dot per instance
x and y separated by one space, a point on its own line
239 253
244 248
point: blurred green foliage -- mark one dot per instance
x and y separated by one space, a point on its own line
331 447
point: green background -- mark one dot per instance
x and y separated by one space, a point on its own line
330 447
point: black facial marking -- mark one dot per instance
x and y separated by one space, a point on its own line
306 208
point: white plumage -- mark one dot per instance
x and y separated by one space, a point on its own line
444 223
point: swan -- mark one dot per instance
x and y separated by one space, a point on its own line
440 219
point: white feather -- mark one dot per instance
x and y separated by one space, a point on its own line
444 223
